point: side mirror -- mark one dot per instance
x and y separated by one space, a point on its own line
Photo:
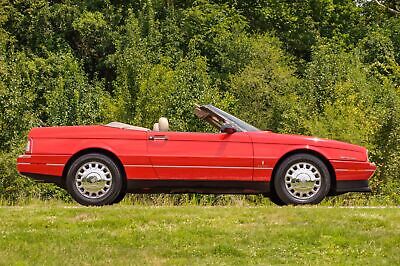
228 129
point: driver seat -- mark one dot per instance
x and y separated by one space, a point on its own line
162 125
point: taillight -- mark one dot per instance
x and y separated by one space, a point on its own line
28 148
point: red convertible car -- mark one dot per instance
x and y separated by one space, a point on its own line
99 164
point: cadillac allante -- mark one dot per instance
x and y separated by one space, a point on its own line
99 164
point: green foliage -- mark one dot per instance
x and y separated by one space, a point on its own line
17 99
218 33
341 97
378 52
70 98
44 91
264 85
13 188
192 87
317 67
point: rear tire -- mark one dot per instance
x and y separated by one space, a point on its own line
302 179
94 180
275 199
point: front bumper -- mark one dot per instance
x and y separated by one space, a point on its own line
353 170
352 186
352 176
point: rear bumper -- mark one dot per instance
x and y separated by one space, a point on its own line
45 168
45 178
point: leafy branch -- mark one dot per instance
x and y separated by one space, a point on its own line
391 10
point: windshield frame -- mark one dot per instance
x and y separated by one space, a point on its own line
217 117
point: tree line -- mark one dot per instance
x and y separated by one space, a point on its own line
315 67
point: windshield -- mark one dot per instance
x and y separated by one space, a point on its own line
217 117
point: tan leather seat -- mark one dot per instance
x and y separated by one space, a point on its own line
156 127
163 124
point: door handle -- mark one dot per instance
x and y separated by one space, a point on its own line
158 138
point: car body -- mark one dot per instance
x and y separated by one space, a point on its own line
238 159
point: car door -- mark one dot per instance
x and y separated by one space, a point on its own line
201 156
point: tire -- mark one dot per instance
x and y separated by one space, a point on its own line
274 198
302 179
94 180
120 196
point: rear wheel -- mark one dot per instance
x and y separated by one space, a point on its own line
302 179
275 199
94 179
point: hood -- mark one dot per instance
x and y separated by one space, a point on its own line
275 138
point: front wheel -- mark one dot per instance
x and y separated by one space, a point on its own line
94 179
302 179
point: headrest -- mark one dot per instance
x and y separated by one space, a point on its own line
163 124
156 127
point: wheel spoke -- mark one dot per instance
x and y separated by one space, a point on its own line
302 180
93 179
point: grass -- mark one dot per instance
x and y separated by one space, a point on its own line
60 234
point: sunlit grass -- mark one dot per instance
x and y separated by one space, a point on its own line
54 233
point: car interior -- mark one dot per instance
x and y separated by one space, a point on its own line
163 125
126 126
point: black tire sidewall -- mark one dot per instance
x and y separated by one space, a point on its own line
275 199
110 196
279 179
120 196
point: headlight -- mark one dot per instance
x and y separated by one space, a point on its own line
28 147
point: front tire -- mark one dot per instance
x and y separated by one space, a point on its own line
302 179
120 196
94 180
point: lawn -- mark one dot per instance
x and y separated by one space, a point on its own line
67 234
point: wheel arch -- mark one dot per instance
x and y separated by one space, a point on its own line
103 151
311 152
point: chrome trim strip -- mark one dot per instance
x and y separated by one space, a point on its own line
48 164
348 161
25 156
348 158
354 170
138 165
198 166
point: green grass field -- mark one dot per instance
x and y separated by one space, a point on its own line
68 234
